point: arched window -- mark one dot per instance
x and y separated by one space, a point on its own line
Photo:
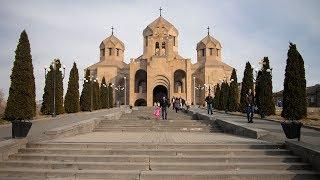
163 45
102 51
157 45
179 81
118 52
140 81
110 50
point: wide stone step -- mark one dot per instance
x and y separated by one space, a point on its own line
150 124
172 152
155 175
233 174
153 158
193 166
154 146
157 129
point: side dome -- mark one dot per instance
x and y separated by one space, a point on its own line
210 42
112 42
155 26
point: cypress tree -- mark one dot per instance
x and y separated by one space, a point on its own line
95 95
104 96
47 97
21 102
85 98
233 92
71 102
294 92
264 90
247 83
110 96
224 94
216 100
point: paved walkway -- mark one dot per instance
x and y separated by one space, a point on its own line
309 136
39 126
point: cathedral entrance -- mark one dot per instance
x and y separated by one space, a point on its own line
159 92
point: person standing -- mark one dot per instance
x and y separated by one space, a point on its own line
209 101
250 106
177 104
164 105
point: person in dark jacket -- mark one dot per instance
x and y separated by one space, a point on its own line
164 104
209 101
250 106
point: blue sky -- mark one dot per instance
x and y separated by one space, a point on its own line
247 29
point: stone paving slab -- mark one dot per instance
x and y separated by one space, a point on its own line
156 137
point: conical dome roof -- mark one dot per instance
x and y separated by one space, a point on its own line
112 41
160 22
208 41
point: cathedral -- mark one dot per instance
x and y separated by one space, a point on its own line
160 70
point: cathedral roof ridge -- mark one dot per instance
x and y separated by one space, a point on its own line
112 38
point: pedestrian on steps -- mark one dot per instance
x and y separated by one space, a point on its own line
250 106
209 101
157 111
164 104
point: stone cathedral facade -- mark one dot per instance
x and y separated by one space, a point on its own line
161 70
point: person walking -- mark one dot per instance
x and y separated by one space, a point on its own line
172 101
164 105
209 101
177 105
157 111
250 106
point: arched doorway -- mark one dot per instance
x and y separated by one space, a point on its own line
159 92
140 102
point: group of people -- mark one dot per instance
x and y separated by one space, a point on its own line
250 106
161 107
178 103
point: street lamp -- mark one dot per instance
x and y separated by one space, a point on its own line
90 79
208 87
199 88
54 67
125 90
119 88
194 90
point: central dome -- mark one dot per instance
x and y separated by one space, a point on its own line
160 24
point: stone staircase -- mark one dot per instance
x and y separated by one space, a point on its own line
149 160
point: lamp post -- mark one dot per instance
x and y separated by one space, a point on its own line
54 67
208 87
125 90
199 88
91 78
119 88
194 90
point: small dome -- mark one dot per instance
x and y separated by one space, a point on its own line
112 41
160 22
208 41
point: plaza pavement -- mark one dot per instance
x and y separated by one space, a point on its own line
308 135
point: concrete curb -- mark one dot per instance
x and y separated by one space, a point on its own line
230 127
11 146
307 152
272 120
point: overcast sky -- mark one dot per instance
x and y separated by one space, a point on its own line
248 30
